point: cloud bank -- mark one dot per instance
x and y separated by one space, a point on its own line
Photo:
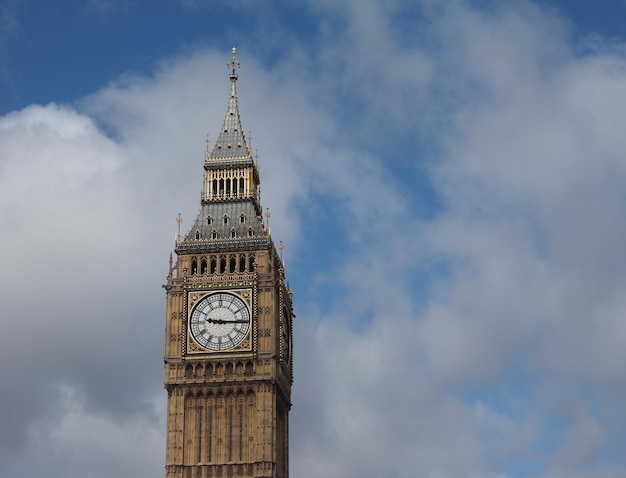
449 185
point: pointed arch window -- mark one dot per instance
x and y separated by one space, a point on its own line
197 235
233 233
250 232
249 368
209 220
214 233
225 218
242 218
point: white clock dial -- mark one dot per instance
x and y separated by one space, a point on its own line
219 321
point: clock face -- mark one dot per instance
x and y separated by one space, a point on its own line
286 337
219 321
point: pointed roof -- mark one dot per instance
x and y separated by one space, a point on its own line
229 222
231 142
226 226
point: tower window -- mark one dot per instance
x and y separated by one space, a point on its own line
200 430
242 218
250 232
249 368
240 436
233 232
209 220
214 234
225 219
197 235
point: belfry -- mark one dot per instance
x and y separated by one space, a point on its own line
228 329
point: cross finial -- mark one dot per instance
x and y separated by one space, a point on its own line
233 64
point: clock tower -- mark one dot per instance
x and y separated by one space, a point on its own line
228 329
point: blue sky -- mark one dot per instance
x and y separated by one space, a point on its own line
447 178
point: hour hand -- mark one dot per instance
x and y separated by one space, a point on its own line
221 321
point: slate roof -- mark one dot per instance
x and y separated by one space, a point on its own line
249 232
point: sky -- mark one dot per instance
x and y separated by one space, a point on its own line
448 179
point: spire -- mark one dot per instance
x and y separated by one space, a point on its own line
230 215
231 142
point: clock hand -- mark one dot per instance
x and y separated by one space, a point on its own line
221 321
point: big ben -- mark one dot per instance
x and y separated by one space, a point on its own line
228 333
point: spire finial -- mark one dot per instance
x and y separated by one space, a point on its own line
233 64
179 220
